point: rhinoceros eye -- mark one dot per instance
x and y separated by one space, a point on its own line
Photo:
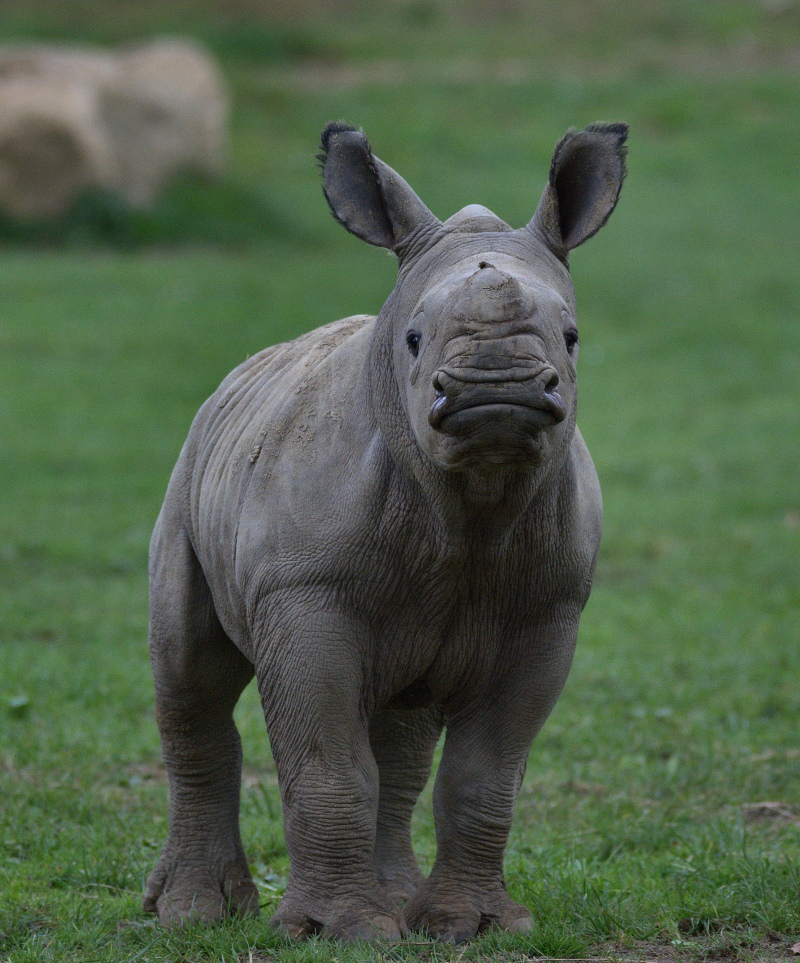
413 339
570 339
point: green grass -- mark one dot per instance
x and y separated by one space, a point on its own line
633 834
190 210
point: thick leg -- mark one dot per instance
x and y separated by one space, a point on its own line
487 745
403 741
199 675
312 696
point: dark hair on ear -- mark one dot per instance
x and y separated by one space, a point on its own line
331 128
617 130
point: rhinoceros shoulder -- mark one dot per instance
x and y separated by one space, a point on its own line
304 354
270 379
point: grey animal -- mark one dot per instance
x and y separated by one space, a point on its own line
393 523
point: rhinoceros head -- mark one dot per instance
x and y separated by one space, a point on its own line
477 344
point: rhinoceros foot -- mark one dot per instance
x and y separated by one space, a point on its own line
183 892
454 914
341 919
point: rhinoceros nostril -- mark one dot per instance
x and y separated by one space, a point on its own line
551 382
437 411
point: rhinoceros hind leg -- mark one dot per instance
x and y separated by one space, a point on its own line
199 674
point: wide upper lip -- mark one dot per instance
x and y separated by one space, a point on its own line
530 387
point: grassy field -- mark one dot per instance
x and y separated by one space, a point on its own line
638 833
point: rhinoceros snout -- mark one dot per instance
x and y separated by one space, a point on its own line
528 393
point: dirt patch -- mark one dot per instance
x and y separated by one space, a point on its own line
769 812
776 949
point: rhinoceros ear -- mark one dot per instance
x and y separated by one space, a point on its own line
586 175
366 195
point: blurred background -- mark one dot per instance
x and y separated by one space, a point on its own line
122 310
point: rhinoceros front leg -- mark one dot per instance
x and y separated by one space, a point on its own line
199 674
403 741
485 752
311 685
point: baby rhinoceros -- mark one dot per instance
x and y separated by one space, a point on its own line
393 523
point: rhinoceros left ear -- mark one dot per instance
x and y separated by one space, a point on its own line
586 175
366 196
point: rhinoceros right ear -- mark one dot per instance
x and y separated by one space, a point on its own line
586 175
366 195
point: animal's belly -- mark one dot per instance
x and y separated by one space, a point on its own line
414 696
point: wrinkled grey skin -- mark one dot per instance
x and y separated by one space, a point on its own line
393 523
